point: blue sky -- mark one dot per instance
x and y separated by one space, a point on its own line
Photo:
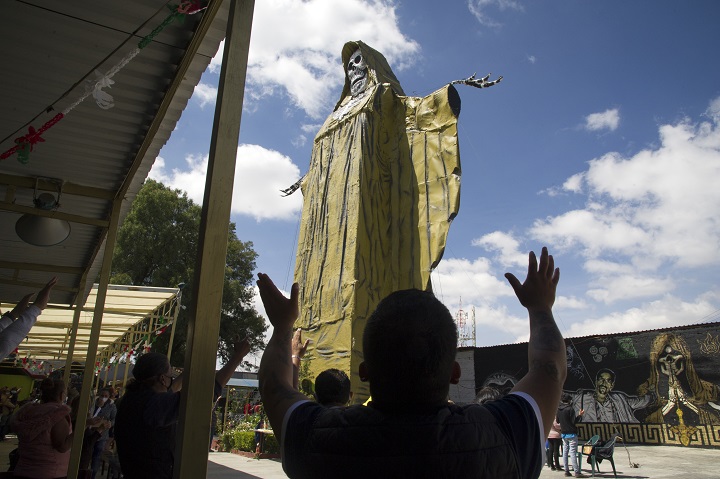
602 142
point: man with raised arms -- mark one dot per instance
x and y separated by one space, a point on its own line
409 428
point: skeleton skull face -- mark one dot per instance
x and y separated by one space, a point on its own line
357 72
672 362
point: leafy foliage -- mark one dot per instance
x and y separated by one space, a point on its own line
245 441
157 246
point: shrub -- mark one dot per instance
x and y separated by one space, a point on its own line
245 441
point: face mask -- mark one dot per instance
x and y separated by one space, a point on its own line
103 400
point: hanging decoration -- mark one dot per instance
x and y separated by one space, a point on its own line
24 144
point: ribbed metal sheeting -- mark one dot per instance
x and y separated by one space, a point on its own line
48 48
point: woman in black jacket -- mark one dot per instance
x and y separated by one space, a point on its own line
567 418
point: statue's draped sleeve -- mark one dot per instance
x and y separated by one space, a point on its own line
431 124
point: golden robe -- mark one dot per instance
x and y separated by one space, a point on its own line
382 188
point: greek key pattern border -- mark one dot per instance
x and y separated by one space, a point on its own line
656 434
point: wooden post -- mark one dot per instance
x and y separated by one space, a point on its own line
94 340
204 327
71 345
174 323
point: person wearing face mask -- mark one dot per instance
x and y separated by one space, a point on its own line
148 414
104 408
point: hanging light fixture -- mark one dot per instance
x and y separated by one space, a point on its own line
43 230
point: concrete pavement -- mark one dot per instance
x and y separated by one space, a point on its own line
654 462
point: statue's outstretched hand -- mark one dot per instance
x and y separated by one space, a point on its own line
483 82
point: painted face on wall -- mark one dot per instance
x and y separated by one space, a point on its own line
672 362
357 72
604 384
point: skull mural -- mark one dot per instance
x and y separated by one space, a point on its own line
357 72
672 363
683 397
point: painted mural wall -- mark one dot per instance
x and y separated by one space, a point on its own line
653 387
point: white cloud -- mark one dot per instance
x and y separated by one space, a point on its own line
304 61
630 286
574 183
659 203
205 94
260 174
473 281
532 59
568 303
505 245
606 120
648 229
480 8
661 313
299 141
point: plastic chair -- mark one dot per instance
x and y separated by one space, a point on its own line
604 451
587 448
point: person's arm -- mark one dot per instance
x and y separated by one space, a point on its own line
9 317
547 363
26 316
298 351
241 349
60 436
276 371
579 416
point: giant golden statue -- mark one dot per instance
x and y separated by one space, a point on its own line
382 188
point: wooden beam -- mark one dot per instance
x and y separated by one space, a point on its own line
31 285
201 347
67 188
58 215
41 267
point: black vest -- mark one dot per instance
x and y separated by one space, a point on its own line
144 451
452 442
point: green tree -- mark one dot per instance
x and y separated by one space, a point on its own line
157 246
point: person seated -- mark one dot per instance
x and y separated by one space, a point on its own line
410 429
148 412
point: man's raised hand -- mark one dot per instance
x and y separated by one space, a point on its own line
537 293
44 295
241 346
298 347
281 311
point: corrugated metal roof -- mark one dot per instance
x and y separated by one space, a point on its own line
50 48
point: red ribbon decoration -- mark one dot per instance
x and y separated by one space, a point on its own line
189 7
27 142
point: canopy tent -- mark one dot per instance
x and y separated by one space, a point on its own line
133 315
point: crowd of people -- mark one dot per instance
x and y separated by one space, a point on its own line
409 428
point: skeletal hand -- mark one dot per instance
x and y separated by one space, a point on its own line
483 82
